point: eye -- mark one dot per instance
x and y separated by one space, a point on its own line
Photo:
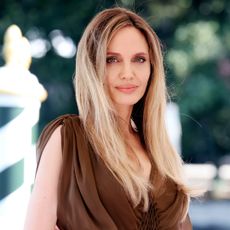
140 59
111 59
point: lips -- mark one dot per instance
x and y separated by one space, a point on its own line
126 88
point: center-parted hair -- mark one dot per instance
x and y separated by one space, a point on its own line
101 121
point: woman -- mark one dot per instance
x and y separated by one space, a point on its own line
112 167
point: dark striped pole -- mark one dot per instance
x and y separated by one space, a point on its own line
17 157
20 100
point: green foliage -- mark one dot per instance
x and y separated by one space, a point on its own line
196 57
196 42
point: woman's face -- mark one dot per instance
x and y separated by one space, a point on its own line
127 67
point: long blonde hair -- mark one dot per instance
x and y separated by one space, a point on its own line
100 120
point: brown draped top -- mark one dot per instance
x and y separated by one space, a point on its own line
91 198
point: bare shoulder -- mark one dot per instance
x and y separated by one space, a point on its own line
52 154
54 143
43 203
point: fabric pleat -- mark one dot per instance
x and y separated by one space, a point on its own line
91 198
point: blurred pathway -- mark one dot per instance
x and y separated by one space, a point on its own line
210 215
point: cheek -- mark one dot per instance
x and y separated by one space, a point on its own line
109 82
144 75
109 79
111 73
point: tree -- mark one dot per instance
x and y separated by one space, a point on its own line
195 37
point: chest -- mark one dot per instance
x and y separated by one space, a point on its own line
139 157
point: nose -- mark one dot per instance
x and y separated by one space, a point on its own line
127 71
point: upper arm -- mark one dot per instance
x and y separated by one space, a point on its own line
42 209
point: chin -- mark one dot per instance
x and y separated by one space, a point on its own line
126 102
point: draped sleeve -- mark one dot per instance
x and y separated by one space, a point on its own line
168 205
79 206
90 197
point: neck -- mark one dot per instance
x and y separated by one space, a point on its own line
124 114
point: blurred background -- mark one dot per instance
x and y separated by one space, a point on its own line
195 36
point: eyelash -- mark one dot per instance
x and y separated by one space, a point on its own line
112 59
141 59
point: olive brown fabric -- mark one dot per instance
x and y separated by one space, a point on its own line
91 198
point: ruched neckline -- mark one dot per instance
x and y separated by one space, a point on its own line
89 196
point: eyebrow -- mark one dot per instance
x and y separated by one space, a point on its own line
118 54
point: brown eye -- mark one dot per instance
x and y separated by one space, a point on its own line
140 59
111 60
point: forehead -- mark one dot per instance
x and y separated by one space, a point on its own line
128 39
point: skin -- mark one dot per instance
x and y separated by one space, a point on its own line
127 74
41 213
127 70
